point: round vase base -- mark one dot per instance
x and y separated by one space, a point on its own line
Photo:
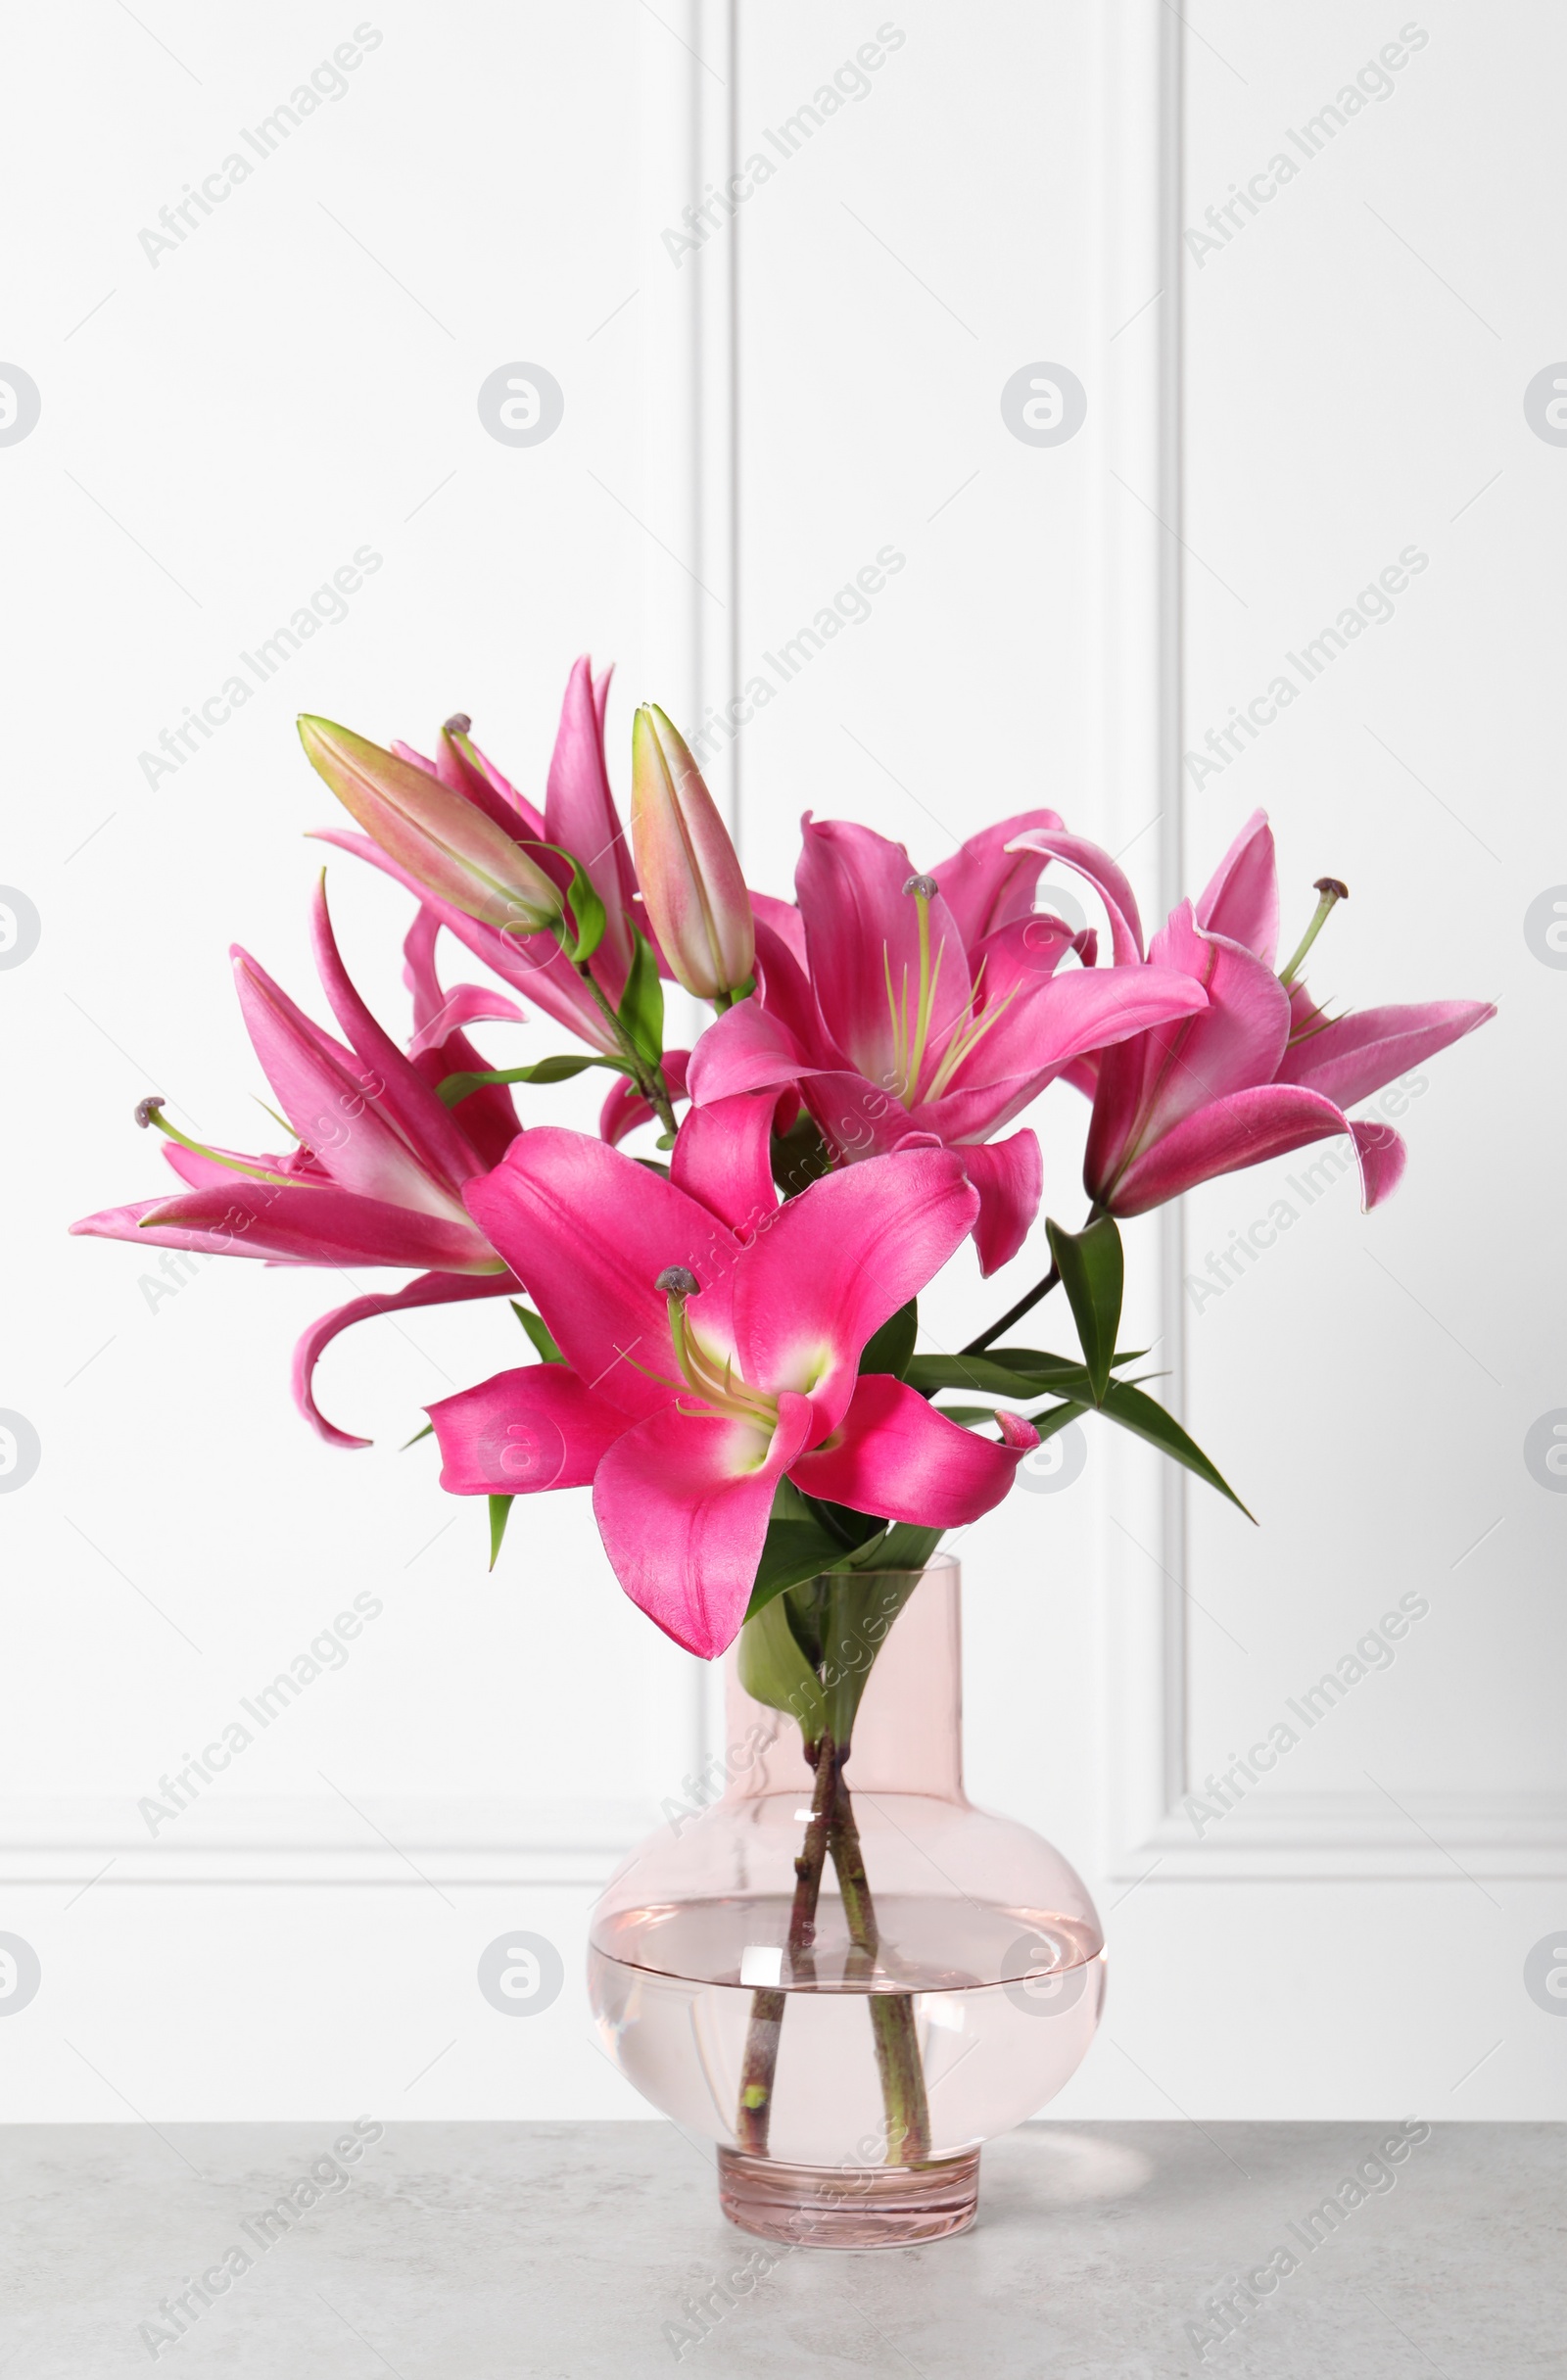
849 2205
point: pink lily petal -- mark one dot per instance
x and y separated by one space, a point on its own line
127 1224
337 1103
1356 1055
580 813
784 987
431 1289
1229 1133
437 1013
625 1108
454 766
467 1004
682 1505
747 1049
722 1157
590 1231
835 1263
984 884
488 1118
309 1223
1174 1071
1114 888
200 1172
855 1117
1009 1178
896 1457
1242 898
785 922
1382 1155
532 964
1046 1020
863 929
523 1431
401 1093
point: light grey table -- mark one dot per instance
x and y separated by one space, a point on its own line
596 2251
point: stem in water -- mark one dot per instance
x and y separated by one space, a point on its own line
892 2022
760 2064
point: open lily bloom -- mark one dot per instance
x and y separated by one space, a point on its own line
1259 1070
378 1174
579 816
899 1003
711 1343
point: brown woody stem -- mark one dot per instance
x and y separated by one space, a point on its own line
760 2063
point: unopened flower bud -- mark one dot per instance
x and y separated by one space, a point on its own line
690 877
441 839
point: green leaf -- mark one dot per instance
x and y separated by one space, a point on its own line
1092 1274
851 1528
904 1548
1020 1372
1055 1417
1145 1419
500 1514
641 1004
774 1670
538 1331
793 1551
892 1346
1038 1363
586 907
546 1069
855 1615
968 1416
428 1431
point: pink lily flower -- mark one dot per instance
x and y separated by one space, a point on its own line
712 1341
579 816
899 1003
1258 1073
378 1176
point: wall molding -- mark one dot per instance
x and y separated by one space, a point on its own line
1331 1835
283 1840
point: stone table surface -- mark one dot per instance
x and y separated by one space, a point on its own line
596 2252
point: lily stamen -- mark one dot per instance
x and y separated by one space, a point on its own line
723 1397
150 1112
1331 891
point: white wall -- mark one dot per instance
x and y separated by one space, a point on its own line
742 432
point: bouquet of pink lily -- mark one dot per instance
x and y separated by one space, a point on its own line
726 1331
727 1341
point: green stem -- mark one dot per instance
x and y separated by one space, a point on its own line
649 1080
1014 1313
892 2022
759 2065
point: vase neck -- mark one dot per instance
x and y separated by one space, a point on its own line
907 1734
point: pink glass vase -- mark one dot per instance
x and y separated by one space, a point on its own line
949 1982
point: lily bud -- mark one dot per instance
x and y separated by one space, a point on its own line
434 833
691 878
